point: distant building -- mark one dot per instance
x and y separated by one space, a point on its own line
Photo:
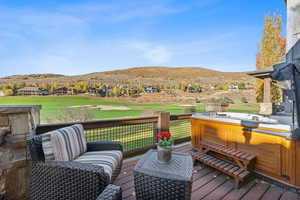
65 91
133 92
60 91
2 93
233 87
71 91
93 91
123 90
29 91
151 89
191 89
44 92
102 92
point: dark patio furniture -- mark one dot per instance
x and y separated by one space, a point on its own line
158 181
74 180
70 180
111 192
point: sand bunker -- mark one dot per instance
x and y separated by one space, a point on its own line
101 107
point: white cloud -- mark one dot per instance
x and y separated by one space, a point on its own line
120 11
156 54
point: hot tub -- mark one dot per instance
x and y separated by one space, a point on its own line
268 137
260 123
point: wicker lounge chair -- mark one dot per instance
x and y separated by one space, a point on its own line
84 178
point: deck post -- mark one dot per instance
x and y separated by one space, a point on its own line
163 123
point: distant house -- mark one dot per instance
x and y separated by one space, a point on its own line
60 91
191 89
123 90
65 91
151 89
2 93
44 92
71 91
108 90
102 92
233 87
29 91
93 91
133 92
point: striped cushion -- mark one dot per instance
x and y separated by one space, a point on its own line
109 160
64 144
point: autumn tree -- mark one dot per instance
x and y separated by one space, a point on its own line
183 85
82 86
8 92
116 91
53 86
271 51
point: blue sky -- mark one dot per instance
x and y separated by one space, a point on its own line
76 37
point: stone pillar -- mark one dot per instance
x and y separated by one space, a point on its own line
16 122
293 22
266 108
267 90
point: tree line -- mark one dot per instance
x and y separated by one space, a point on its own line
100 88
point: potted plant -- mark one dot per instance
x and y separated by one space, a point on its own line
164 146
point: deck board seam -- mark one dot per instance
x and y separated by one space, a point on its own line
248 191
215 188
217 174
265 192
225 194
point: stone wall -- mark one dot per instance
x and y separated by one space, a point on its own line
16 122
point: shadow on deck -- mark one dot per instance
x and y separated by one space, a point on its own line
210 184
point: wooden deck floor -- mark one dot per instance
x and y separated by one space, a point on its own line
210 184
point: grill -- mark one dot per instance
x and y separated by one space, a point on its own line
288 75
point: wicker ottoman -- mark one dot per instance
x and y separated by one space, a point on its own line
156 181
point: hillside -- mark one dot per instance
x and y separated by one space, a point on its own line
32 76
169 73
146 75
166 76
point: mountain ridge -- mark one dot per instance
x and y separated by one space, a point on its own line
140 72
151 75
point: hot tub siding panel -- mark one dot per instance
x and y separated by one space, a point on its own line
298 163
275 155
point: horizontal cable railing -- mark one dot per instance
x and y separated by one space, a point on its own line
181 128
132 136
137 135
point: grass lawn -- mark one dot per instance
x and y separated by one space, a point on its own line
133 136
51 105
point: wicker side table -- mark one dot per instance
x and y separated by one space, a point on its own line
157 181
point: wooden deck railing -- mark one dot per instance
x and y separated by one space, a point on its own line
136 134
